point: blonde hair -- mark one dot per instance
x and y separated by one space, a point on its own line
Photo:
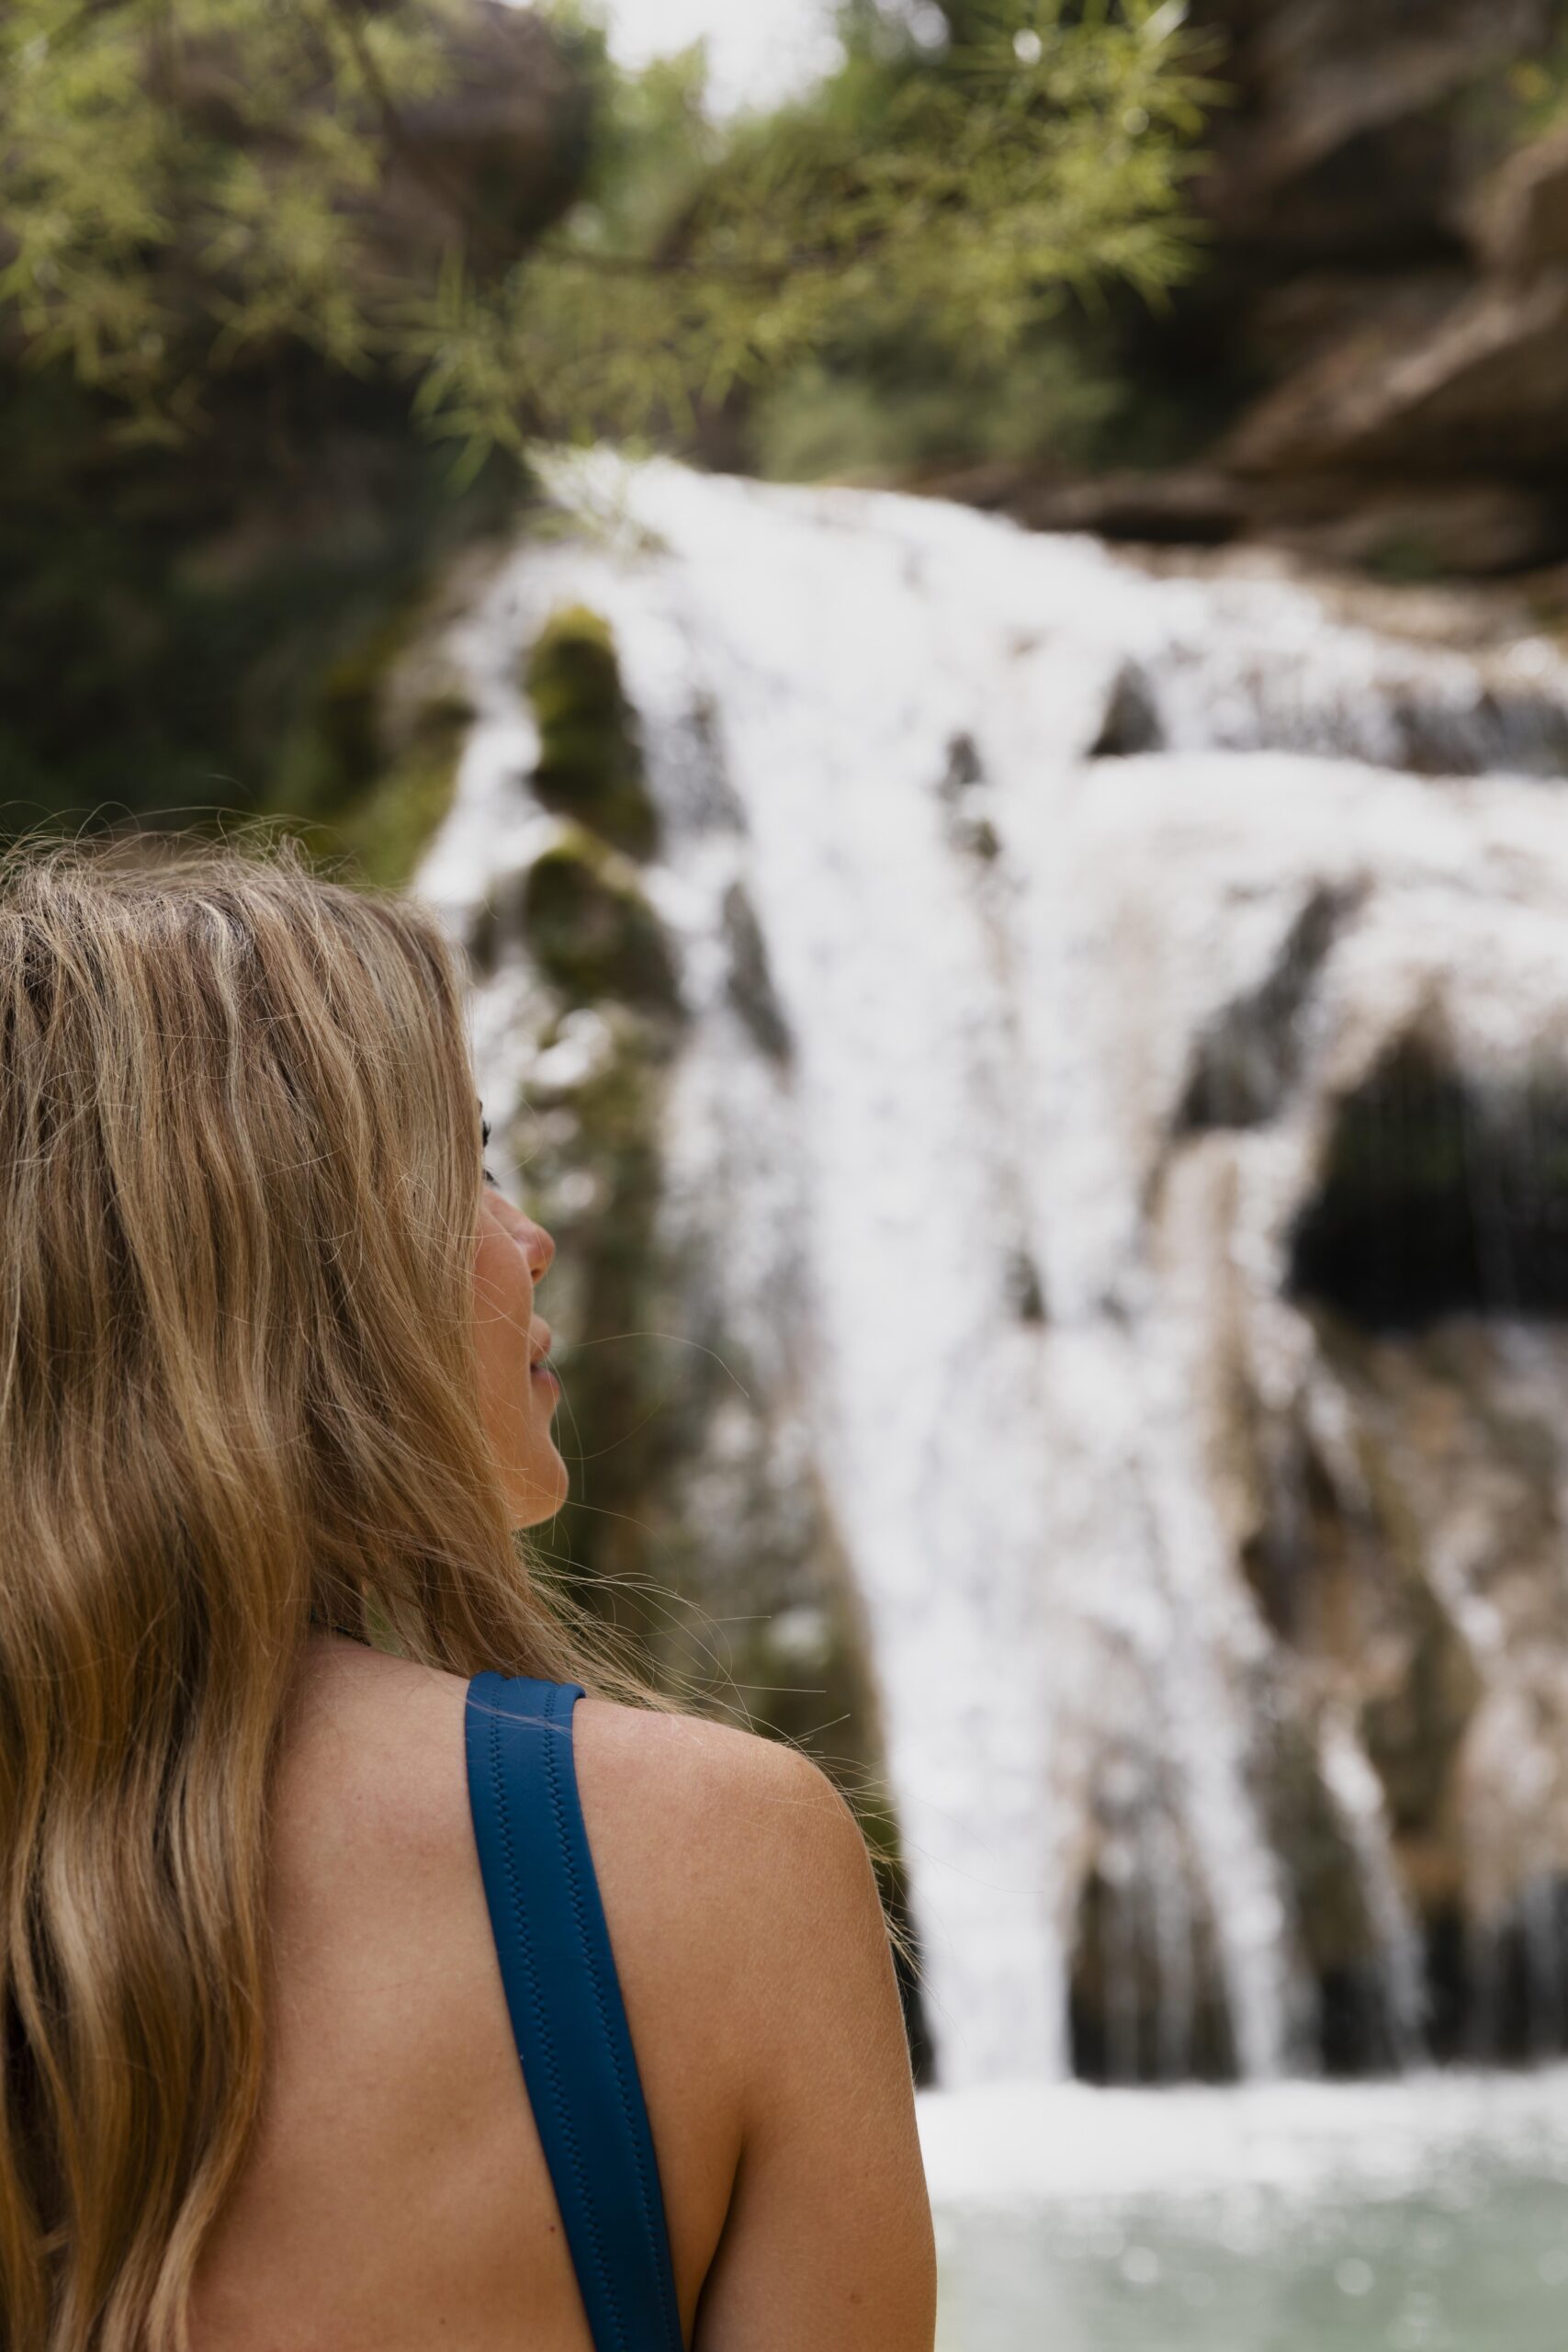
240 1159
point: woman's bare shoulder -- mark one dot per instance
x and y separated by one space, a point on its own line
696 1811
760 1983
732 1871
708 1808
718 1853
648 1755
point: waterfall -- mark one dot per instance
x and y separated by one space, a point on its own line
1090 904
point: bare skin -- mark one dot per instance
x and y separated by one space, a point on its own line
397 2198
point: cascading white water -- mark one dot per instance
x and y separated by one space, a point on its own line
1004 1292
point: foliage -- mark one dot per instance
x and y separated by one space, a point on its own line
189 180
214 155
1045 154
886 400
180 627
260 264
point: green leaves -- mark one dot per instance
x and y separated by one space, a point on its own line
184 178
186 182
1046 151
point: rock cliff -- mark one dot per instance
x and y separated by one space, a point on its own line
1378 347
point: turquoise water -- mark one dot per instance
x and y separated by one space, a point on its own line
1430 2217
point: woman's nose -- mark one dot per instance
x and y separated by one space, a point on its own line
537 1244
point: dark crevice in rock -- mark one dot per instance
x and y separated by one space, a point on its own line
1132 724
1132 2018
1498 1993
964 769
750 986
962 791
1249 1058
1026 1291
1437 1198
1354 2039
1147 1997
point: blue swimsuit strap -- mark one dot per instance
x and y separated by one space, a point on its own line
567 2012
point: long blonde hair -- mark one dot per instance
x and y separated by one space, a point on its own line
240 1160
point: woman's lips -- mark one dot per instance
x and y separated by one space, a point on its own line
540 1368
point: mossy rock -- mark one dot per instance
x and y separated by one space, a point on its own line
590 763
591 930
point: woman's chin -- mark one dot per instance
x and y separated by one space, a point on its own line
542 1492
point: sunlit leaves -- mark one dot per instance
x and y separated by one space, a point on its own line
185 180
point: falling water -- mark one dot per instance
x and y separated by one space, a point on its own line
1087 897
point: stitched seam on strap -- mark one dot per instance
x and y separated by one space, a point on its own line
651 2227
563 2115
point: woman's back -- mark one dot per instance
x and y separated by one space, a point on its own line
398 2194
271 1363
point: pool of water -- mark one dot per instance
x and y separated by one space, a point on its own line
1427 2216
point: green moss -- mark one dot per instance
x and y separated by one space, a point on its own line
591 930
590 761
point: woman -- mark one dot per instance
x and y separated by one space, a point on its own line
282 1911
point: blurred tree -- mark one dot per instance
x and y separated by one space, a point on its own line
386 182
262 261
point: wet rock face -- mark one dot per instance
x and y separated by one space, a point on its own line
1481 390
498 153
1409 1553
1345 145
1448 1631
